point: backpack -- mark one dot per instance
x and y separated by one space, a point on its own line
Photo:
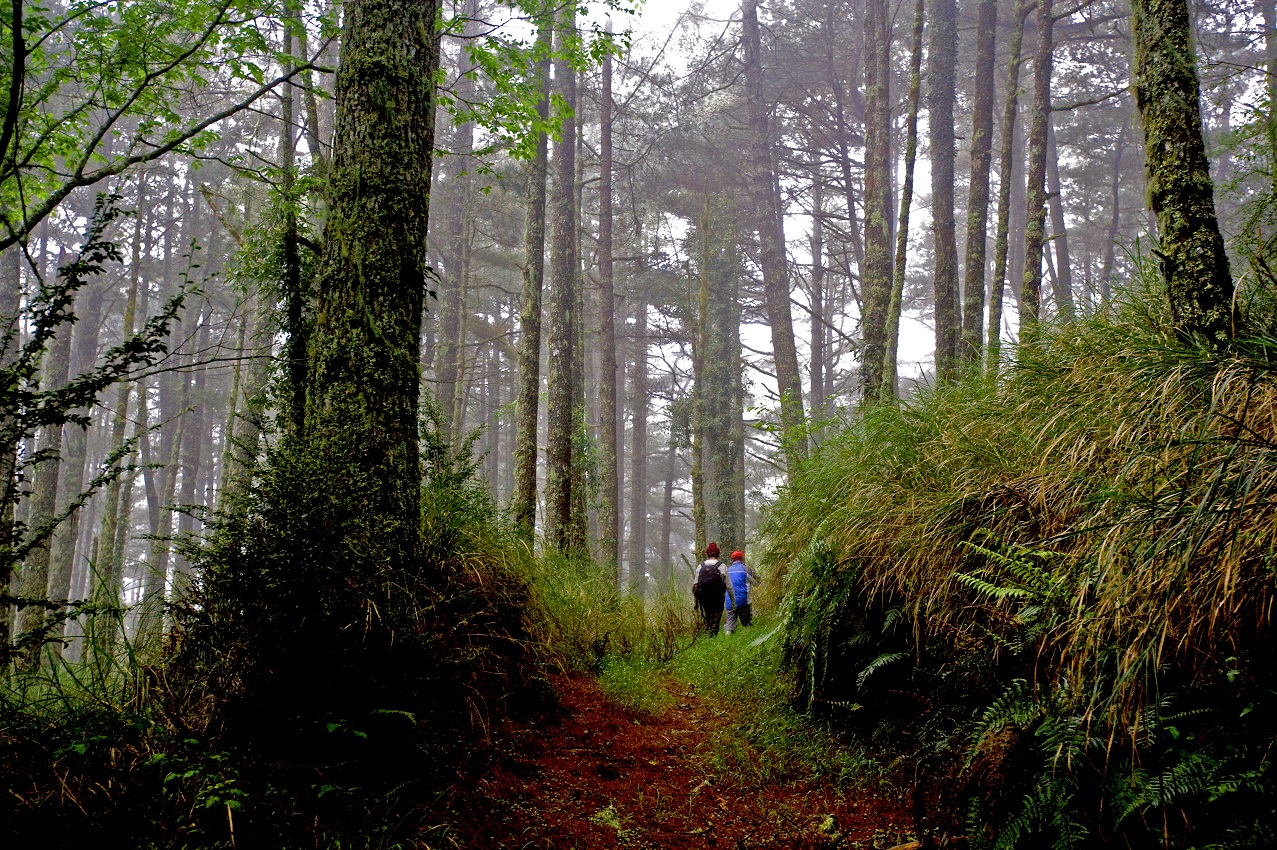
709 582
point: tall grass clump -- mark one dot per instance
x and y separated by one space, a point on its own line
1053 589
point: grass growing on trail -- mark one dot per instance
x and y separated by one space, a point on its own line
756 736
635 684
761 737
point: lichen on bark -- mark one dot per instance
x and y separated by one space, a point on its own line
1180 192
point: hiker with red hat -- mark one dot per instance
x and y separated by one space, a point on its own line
711 589
740 579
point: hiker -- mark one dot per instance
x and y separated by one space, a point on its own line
709 589
740 579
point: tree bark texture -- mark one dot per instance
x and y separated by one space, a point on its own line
364 379
1180 191
875 284
561 403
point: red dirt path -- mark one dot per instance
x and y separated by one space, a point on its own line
599 776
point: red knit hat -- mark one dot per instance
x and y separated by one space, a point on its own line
738 555
711 551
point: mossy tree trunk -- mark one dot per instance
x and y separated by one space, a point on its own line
876 275
1180 190
718 356
364 379
561 401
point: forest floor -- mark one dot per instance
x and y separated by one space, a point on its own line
599 775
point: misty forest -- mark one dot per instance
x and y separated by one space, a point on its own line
725 423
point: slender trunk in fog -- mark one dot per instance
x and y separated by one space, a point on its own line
818 391
942 59
610 496
1006 170
771 243
34 573
978 192
84 349
1115 219
638 445
1035 220
525 459
890 366
1059 232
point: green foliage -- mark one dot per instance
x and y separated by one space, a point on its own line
1011 581
635 684
762 738
106 87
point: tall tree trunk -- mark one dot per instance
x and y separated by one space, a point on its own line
457 189
35 572
667 514
875 283
84 348
1035 221
609 507
10 341
818 391
638 445
194 436
525 456
295 296
559 454
1006 171
1115 219
978 192
771 243
1059 232
107 570
1180 191
717 355
363 379
889 366
942 59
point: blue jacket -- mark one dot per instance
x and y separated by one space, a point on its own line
739 575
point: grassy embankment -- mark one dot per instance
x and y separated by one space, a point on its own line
1052 591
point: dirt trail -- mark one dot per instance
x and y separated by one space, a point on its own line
599 776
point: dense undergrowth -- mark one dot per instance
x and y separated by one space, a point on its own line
1052 590
304 698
